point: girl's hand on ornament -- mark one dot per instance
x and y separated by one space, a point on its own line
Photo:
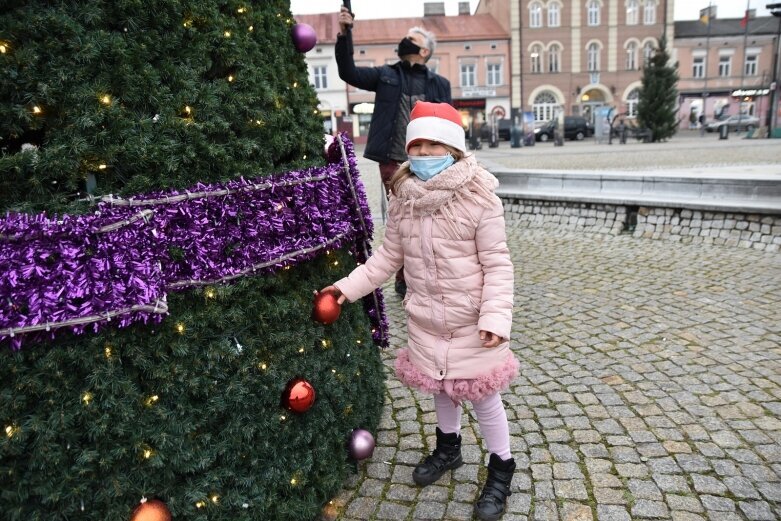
335 292
490 339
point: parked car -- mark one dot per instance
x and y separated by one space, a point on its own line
735 123
575 127
504 130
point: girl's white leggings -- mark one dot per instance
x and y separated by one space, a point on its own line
490 415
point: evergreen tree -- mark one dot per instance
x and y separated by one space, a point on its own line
132 97
657 106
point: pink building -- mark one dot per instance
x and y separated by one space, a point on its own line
725 67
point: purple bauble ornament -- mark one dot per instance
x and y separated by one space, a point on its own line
361 444
304 37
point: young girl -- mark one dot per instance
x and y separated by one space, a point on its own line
446 228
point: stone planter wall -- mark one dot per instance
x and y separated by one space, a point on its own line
744 230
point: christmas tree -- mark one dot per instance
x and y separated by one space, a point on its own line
167 216
657 107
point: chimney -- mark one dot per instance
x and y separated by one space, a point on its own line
463 8
434 9
711 14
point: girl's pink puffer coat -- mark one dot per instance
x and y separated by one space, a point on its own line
459 281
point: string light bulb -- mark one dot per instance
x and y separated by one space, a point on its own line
180 328
147 453
263 366
3 48
200 504
105 99
150 401
230 78
227 34
37 110
210 293
108 351
11 430
188 23
86 398
102 166
241 10
215 498
251 28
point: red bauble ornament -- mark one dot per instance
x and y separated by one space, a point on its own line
151 510
304 37
299 395
326 308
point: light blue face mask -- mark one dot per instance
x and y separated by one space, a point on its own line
426 167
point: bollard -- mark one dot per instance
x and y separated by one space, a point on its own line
724 131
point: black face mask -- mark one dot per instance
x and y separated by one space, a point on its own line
406 47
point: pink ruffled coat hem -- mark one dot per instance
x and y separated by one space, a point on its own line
473 389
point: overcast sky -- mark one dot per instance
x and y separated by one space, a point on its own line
684 9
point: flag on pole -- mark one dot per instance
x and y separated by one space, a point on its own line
744 20
705 17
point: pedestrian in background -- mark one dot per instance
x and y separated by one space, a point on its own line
397 87
446 227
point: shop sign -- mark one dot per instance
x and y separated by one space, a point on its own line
750 92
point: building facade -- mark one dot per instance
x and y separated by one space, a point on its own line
725 67
579 55
472 52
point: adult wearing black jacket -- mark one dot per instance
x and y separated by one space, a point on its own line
397 87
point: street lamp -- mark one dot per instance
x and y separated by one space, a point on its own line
775 10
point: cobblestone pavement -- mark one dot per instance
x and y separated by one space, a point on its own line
650 389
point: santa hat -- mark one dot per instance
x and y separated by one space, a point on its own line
438 122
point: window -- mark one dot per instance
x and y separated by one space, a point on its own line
648 52
320 75
698 67
536 59
494 74
725 66
631 103
535 14
631 12
593 57
467 75
649 12
750 68
631 56
593 12
554 58
544 106
554 18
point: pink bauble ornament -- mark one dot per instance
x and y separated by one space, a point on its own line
361 444
304 37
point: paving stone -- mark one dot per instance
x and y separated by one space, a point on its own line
757 511
425 510
652 509
612 513
389 510
687 503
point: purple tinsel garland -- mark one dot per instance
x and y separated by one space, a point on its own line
77 272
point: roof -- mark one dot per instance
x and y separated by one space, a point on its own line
726 27
390 30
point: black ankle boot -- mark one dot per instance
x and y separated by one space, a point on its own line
490 505
446 456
